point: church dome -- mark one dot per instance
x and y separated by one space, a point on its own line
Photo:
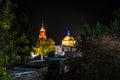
68 40
68 37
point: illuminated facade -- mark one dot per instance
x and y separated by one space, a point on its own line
67 47
42 34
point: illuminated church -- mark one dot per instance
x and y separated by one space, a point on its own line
42 34
68 40
67 46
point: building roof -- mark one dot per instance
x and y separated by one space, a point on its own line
42 29
68 37
68 40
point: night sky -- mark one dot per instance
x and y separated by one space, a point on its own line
60 16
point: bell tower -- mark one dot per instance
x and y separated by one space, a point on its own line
42 34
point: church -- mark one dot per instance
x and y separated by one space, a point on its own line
67 48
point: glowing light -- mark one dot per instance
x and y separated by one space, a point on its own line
33 55
68 32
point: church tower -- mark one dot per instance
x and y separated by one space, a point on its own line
42 34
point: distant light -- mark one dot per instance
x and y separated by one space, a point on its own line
33 55
68 32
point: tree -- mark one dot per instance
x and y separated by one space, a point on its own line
101 56
23 47
3 73
115 28
23 26
9 40
6 17
100 29
95 30
101 51
9 47
8 37
44 47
